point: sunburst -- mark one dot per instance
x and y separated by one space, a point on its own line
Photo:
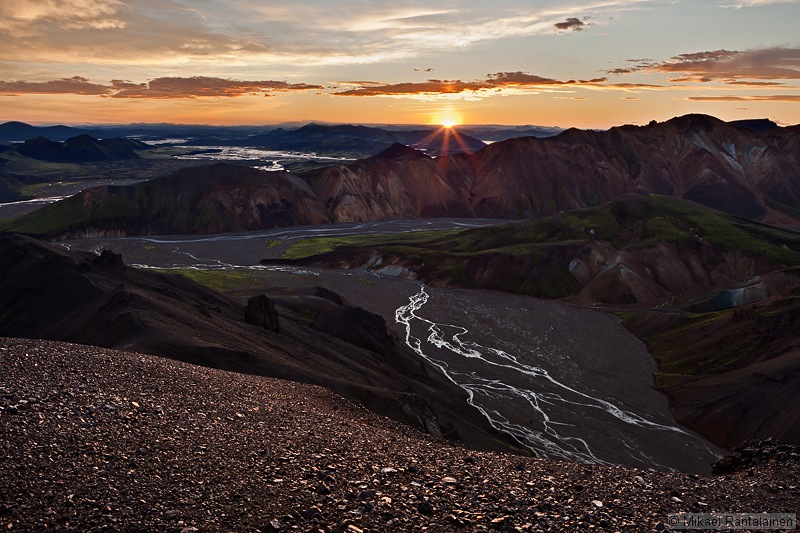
447 118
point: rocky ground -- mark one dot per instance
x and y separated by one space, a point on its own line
94 439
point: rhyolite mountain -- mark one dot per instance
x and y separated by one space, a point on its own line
80 297
715 297
734 169
738 170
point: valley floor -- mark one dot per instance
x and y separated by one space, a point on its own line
566 382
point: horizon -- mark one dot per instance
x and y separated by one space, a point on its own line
302 123
588 65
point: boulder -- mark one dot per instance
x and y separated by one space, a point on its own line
261 312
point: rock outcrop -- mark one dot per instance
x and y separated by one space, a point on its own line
261 312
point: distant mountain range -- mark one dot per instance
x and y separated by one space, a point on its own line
20 131
738 170
333 139
365 140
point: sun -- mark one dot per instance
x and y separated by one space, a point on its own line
447 118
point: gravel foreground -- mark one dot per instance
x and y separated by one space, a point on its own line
95 439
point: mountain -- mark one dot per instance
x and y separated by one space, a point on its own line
757 124
697 157
399 152
716 297
81 149
50 293
490 133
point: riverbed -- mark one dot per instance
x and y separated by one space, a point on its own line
566 382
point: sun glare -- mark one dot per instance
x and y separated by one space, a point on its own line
447 118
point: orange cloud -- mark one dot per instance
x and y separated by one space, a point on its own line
159 88
494 83
203 87
727 65
415 88
751 98
74 85
19 16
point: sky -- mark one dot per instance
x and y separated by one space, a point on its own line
573 63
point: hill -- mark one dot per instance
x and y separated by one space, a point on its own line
10 185
20 131
184 448
80 149
364 140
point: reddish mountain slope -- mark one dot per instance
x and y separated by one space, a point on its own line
733 169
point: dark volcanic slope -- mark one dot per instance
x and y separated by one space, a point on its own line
98 439
731 374
80 297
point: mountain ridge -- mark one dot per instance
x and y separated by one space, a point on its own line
696 157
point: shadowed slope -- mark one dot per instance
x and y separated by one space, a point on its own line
84 298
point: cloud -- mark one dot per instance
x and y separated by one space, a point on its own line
499 83
729 65
74 85
166 34
519 78
19 16
159 88
758 3
205 87
750 98
572 23
429 87
750 83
